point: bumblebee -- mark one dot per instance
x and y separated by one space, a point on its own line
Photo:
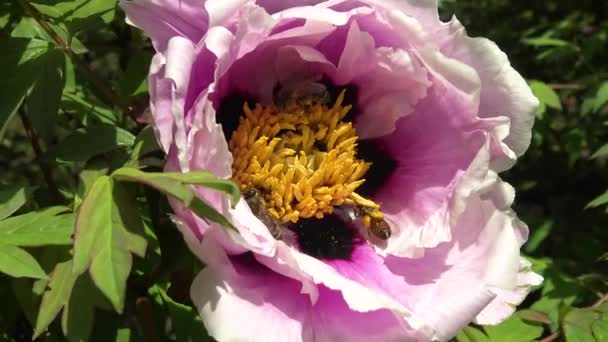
372 219
258 207
298 94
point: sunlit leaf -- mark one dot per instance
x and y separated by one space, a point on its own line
107 232
178 185
29 28
470 334
16 262
12 197
578 325
514 329
77 14
38 228
60 287
546 94
163 180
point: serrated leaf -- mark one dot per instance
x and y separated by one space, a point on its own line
20 65
16 262
598 201
60 287
470 334
601 97
43 227
546 94
107 231
12 197
513 329
94 140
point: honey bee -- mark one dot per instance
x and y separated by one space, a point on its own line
377 226
258 207
302 93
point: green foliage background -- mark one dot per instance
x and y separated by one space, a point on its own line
86 147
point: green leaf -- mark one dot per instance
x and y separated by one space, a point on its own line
470 334
38 228
546 42
78 103
513 329
598 201
29 28
546 94
58 294
177 185
20 65
144 143
45 96
538 235
78 315
602 152
12 197
187 324
577 325
108 229
599 328
164 180
28 293
16 262
135 79
94 169
601 97
78 14
94 140
558 291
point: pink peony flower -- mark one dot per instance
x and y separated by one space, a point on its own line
367 137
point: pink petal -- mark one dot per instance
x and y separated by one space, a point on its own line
164 19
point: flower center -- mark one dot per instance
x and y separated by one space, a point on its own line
300 160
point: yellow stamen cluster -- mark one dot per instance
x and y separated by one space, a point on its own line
302 162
